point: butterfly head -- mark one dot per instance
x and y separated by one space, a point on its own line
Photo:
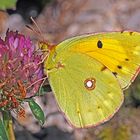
45 46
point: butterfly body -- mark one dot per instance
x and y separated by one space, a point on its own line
87 74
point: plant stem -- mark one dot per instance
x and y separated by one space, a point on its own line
8 125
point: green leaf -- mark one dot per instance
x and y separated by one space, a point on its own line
3 134
4 4
37 111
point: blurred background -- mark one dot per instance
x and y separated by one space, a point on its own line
61 19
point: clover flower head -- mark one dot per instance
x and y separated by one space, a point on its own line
20 69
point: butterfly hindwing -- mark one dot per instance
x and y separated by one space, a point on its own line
84 105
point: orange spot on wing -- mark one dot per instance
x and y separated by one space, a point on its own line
90 83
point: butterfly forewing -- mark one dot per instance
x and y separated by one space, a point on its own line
118 51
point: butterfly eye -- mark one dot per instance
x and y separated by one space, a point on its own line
90 83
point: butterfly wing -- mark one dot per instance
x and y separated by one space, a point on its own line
118 51
86 91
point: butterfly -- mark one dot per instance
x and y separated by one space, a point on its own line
88 74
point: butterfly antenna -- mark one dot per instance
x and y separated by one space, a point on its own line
35 31
38 31
38 28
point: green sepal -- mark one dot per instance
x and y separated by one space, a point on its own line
37 111
3 134
5 4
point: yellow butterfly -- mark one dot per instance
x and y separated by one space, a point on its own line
89 73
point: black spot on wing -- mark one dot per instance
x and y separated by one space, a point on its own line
119 67
126 59
99 44
130 33
103 68
122 31
115 73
